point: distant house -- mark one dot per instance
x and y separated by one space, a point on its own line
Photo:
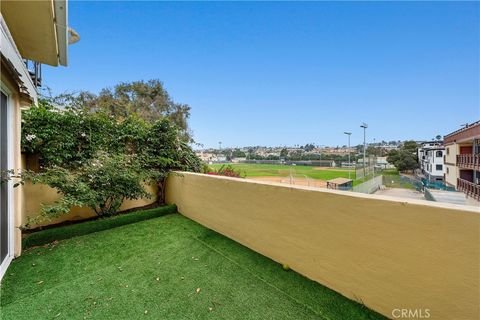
209 157
32 33
430 158
462 160
205 156
220 158
382 163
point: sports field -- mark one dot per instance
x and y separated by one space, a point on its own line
268 171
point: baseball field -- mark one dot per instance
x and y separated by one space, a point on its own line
300 175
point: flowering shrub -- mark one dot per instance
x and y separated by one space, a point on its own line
228 171
97 161
63 138
102 185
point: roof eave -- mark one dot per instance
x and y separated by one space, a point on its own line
61 26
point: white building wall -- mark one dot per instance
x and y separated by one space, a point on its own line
431 160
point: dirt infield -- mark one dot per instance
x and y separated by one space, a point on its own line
317 183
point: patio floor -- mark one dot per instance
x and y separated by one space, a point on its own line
164 268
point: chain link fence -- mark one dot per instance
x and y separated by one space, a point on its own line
369 186
362 171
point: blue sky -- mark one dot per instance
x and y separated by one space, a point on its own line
285 73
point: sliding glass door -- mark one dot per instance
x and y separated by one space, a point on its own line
4 206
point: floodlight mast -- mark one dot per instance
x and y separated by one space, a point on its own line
349 163
364 126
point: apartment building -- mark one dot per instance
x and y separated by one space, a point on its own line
430 157
462 160
31 33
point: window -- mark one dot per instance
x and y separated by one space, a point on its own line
447 171
439 167
439 154
448 150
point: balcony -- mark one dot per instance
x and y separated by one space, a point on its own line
370 249
469 161
469 188
179 270
35 71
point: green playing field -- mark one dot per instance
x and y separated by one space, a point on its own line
279 170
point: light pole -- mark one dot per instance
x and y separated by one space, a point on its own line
220 149
349 164
374 157
364 126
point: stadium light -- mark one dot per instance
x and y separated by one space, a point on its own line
364 126
349 164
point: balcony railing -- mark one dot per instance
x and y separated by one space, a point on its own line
35 70
470 161
469 188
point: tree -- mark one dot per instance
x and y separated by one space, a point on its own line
309 147
405 158
284 153
163 152
238 154
374 151
146 99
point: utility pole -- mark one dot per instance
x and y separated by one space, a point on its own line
364 126
349 163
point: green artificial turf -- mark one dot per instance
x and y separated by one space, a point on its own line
163 268
49 235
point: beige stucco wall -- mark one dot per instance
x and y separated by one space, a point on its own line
450 163
37 195
18 197
387 252
452 175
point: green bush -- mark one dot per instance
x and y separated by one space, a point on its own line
98 161
102 185
65 138
59 233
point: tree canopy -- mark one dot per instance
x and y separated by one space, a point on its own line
405 158
148 100
96 160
